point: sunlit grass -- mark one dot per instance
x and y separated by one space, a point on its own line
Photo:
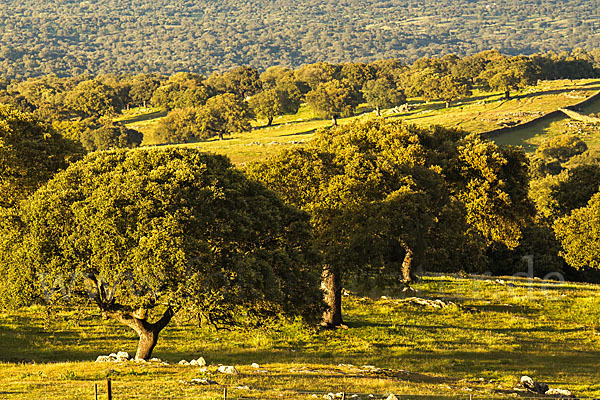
498 332
481 112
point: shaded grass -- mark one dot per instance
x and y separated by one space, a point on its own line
548 331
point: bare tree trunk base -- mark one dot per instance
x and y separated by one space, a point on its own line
331 283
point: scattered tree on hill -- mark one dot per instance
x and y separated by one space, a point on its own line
452 88
275 75
142 87
111 136
315 74
182 90
243 81
561 148
332 99
383 93
223 114
92 99
509 74
144 234
179 126
274 102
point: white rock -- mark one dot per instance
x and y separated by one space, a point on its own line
392 397
123 354
113 355
255 365
155 359
183 362
194 363
103 359
329 396
227 369
201 361
560 393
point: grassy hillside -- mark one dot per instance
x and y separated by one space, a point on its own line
480 113
495 331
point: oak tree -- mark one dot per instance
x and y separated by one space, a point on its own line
144 234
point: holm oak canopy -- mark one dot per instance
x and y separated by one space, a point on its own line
146 233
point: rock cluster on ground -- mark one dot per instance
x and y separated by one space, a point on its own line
121 356
199 362
542 388
227 369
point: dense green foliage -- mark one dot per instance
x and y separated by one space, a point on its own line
376 190
224 103
141 230
30 154
71 38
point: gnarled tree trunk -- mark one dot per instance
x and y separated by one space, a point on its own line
147 331
334 120
331 283
407 265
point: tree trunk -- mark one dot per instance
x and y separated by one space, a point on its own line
269 121
220 135
378 111
331 283
147 331
334 120
507 95
407 265
146 345
447 104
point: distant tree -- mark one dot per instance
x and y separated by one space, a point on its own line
332 99
91 99
182 90
243 81
178 126
316 74
579 235
30 154
145 234
452 88
356 75
390 69
273 102
509 74
223 114
273 76
561 148
111 136
142 88
383 93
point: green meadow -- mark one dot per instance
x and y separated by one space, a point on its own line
480 113
491 332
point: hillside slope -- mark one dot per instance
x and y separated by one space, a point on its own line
68 37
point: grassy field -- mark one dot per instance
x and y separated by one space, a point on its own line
480 113
496 331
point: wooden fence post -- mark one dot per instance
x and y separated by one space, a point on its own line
225 393
95 391
109 388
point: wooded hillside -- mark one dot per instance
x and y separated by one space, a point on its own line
69 37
